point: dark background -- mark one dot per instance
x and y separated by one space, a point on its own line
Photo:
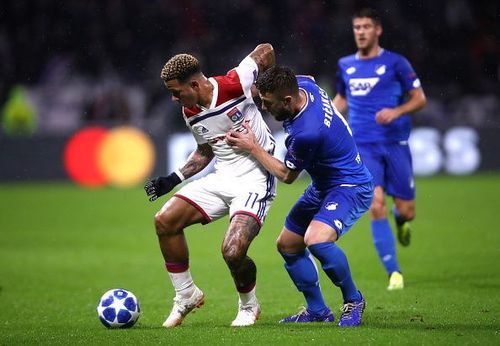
99 61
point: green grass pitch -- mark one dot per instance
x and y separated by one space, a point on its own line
61 247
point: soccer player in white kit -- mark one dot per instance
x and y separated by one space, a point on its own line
239 186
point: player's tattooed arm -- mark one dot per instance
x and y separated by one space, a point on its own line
199 159
263 55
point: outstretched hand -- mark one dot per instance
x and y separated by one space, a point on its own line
244 140
160 186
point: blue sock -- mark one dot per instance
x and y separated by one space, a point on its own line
304 275
385 245
334 263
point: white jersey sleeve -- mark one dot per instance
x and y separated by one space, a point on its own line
248 71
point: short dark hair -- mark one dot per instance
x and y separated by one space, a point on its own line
367 12
180 67
277 79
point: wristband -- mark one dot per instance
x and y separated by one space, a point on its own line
179 174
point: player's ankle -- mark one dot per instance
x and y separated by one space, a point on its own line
248 298
186 292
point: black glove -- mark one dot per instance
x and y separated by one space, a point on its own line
159 186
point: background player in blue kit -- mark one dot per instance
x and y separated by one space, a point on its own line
319 141
380 88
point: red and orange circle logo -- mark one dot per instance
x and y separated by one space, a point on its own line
95 156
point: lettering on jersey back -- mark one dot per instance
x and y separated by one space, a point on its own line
362 86
327 108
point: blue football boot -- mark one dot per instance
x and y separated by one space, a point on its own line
352 313
304 316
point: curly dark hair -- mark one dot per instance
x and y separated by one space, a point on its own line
278 79
181 67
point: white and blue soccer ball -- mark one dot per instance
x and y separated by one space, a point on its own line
118 308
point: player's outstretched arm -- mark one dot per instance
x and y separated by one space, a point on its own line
263 55
247 142
199 159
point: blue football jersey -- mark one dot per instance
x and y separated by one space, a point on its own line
372 84
320 142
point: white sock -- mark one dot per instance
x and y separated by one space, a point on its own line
183 283
248 298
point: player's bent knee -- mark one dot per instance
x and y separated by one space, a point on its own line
312 238
286 247
165 225
378 210
281 246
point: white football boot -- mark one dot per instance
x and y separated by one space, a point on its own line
247 315
182 307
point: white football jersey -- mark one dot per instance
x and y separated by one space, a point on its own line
231 106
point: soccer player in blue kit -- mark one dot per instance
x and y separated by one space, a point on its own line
379 88
320 142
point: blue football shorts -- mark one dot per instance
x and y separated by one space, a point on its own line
339 207
391 167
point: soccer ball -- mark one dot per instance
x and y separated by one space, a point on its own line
118 308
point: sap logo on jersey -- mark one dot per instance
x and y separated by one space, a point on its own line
235 114
331 206
362 86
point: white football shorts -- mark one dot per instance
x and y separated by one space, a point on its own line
217 195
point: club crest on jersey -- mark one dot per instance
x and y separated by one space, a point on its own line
380 69
362 86
331 206
235 114
200 129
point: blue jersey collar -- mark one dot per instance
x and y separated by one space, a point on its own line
303 107
380 52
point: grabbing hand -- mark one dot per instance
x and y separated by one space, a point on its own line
161 185
244 140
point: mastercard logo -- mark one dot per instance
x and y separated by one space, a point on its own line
122 156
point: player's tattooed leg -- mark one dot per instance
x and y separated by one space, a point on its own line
242 230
